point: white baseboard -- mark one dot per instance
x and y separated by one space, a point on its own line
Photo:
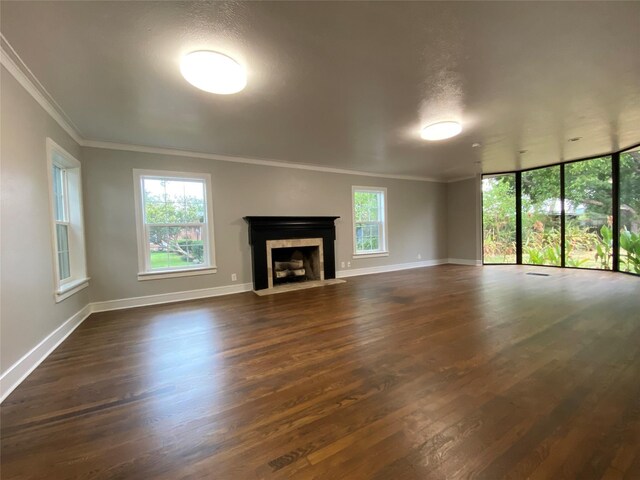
464 261
34 357
170 297
388 268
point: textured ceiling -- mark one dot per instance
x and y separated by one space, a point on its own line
346 84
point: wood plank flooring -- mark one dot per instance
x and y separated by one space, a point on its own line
436 373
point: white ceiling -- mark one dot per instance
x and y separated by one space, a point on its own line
346 85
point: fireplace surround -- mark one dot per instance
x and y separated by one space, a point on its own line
268 233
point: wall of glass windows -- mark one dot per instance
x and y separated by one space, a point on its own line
578 214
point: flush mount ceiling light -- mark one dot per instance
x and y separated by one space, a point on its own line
213 72
441 131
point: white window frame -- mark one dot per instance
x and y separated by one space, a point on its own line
383 250
144 268
74 219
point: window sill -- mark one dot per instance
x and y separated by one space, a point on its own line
71 288
142 276
370 255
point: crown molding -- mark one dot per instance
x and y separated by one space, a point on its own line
250 161
10 59
25 77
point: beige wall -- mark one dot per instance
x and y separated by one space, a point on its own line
463 217
28 312
417 216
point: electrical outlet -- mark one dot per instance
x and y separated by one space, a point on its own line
419 257
234 277
348 264
342 265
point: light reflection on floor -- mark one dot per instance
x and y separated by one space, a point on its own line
184 355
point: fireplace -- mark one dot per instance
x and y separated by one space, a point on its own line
294 260
287 250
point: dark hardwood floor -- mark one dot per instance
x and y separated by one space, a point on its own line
436 373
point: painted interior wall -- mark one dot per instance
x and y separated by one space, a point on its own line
417 216
464 220
28 312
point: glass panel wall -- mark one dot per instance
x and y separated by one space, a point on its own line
541 216
499 218
630 211
589 214
578 214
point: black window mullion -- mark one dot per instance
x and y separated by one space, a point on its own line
615 196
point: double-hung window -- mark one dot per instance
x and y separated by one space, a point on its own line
174 224
65 187
369 221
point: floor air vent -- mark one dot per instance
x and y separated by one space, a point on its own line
539 274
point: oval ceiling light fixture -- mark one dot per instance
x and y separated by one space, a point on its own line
213 72
441 131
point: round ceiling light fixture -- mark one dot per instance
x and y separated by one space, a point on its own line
213 72
441 131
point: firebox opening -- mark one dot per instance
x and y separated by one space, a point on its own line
306 264
295 264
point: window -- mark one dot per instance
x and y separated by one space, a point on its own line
541 217
499 218
588 209
629 259
369 221
175 224
575 214
65 187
